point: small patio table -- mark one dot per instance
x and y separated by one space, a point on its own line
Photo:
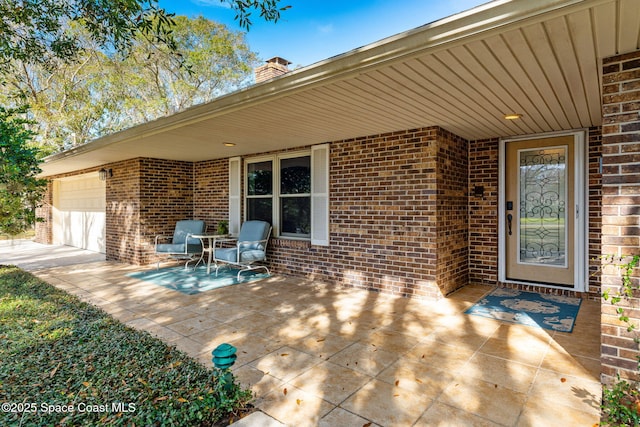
208 248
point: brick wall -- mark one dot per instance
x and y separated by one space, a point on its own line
123 212
211 191
44 213
483 212
594 238
166 196
396 200
452 204
145 198
620 204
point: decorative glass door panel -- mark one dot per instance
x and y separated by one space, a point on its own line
539 211
542 200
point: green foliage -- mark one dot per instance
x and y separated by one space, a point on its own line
102 92
269 10
20 189
621 401
56 350
64 59
223 227
36 31
626 265
620 404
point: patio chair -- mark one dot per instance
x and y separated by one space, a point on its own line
249 248
181 246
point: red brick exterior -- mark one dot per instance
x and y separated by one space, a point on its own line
123 212
397 218
594 236
483 212
620 205
44 213
211 192
404 218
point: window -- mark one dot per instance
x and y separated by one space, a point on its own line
260 191
282 198
290 191
295 196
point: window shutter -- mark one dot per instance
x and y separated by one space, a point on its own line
235 201
320 195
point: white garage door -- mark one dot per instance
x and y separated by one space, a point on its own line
79 212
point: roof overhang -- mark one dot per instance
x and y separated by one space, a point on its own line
541 59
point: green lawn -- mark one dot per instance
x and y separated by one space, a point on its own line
67 363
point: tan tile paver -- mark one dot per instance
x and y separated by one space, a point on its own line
416 377
364 357
486 400
331 382
505 373
441 415
340 417
286 363
351 357
387 404
294 407
575 392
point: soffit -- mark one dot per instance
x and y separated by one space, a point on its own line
541 59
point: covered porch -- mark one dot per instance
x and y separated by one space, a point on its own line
413 129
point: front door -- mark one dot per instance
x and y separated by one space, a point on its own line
540 210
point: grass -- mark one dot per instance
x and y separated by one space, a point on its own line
67 363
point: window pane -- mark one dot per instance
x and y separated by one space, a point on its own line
295 175
260 209
259 179
543 181
296 215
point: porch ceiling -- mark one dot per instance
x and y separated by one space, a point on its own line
542 59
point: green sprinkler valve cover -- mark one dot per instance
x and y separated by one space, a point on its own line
224 356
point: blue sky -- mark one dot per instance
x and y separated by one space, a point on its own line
313 30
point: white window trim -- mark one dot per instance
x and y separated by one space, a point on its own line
319 216
235 195
275 193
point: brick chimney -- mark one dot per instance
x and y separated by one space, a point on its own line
274 67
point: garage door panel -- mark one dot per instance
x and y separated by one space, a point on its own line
79 212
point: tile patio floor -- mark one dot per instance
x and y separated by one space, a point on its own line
316 354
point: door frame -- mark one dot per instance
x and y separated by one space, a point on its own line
581 255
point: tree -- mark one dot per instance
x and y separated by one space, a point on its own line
41 32
35 31
99 93
20 189
150 83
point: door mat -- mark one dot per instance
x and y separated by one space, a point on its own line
190 281
546 311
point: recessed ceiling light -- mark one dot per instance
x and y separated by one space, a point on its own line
512 116
229 144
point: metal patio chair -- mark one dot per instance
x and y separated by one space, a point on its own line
181 246
249 248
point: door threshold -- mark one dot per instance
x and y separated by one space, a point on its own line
540 285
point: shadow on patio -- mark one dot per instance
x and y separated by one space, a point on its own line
317 354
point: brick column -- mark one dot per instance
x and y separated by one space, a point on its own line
44 227
620 205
